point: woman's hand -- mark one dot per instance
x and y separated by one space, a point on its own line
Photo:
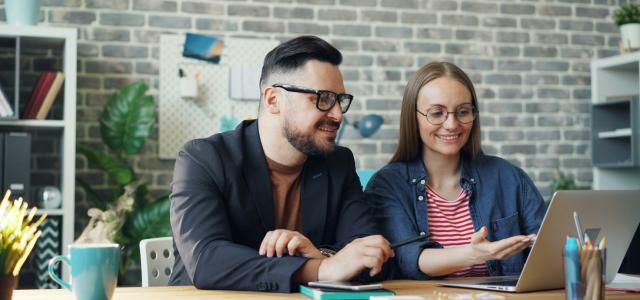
484 250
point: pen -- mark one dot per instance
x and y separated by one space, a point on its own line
578 227
409 241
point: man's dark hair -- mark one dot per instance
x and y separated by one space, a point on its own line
293 54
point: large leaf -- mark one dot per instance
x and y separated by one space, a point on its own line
91 195
150 221
140 195
117 170
128 118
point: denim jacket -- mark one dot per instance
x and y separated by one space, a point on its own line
502 198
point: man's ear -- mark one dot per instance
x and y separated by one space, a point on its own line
270 100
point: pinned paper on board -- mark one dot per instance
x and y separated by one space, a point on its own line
244 82
204 47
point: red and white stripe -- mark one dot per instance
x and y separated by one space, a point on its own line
450 225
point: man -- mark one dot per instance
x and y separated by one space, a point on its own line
265 206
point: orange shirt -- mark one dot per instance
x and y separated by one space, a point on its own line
285 183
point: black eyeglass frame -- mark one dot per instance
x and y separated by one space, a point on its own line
300 89
474 112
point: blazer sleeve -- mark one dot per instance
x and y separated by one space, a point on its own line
397 223
202 233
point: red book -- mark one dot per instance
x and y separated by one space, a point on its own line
32 100
41 93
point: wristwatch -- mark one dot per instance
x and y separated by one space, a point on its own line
326 252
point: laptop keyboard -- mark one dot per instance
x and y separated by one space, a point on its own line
501 283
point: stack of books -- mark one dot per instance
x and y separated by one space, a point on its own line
43 95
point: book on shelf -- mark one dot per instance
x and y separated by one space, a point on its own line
5 106
43 95
38 93
620 132
42 111
319 293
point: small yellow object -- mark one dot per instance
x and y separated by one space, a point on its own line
18 234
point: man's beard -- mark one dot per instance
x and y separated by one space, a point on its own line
305 143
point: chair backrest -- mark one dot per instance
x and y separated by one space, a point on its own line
156 261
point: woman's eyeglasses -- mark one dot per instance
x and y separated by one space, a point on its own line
438 114
325 100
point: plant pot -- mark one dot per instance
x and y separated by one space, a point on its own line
22 12
630 36
7 285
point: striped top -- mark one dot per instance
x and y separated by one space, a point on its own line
451 225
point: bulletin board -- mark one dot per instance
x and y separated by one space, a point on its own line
213 111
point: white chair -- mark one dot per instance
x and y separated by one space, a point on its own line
156 261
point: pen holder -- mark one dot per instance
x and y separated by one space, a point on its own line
188 87
585 277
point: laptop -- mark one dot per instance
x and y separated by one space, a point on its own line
615 214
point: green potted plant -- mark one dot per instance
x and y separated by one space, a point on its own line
627 17
562 182
128 213
18 234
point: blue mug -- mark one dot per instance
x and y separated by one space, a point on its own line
94 270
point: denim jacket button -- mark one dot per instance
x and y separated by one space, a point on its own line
422 182
413 180
420 198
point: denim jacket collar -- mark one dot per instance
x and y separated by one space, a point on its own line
417 172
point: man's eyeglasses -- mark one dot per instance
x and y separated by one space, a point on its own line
438 114
325 100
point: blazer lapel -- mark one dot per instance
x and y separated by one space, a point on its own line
314 195
256 176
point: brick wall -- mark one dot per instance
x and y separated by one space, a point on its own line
529 60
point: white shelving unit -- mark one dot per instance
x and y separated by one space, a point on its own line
616 122
64 39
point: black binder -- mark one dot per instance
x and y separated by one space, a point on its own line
16 171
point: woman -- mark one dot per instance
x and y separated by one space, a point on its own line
480 212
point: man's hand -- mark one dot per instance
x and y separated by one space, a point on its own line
281 241
485 250
364 253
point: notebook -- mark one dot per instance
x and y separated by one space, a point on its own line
328 293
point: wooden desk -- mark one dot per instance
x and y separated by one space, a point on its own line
401 287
